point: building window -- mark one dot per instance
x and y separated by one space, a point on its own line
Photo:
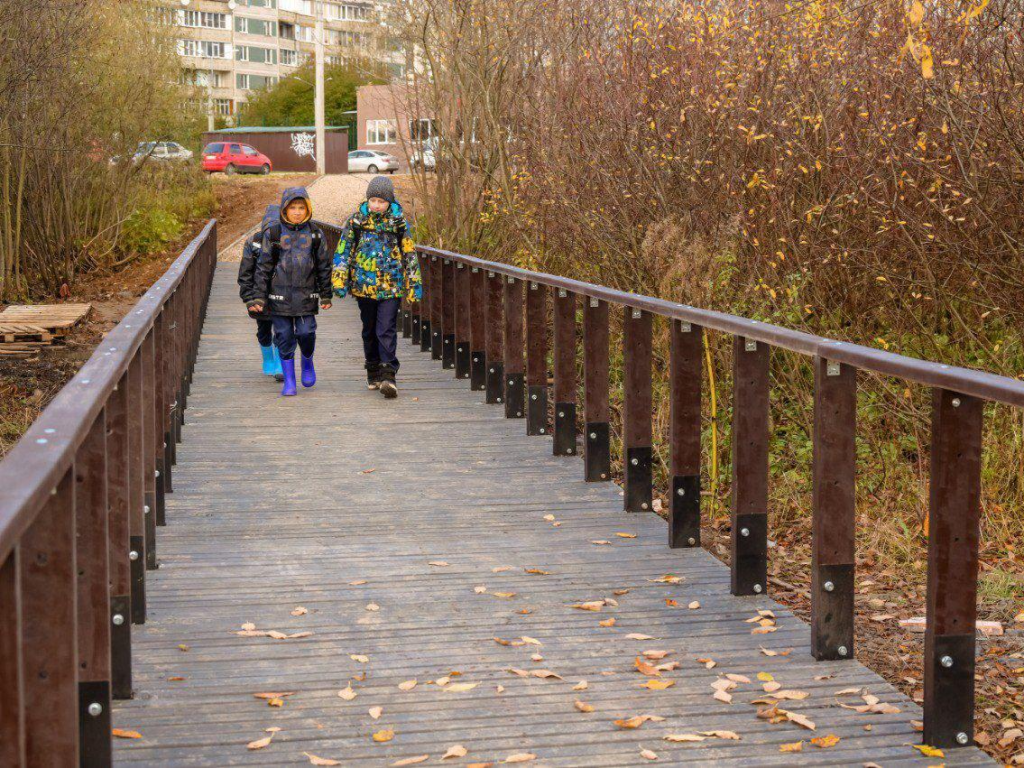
256 54
347 12
202 19
255 26
298 6
203 49
247 82
223 106
259 3
200 78
422 129
380 131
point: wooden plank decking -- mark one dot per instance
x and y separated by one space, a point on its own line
274 508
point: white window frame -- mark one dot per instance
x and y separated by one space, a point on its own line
374 135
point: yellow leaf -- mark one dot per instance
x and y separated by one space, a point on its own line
593 605
927 751
824 742
916 14
722 735
521 757
626 535
123 734
260 743
658 685
765 677
461 687
412 760
314 760
607 622
271 696
275 703
381 736
457 751
927 63
583 706
796 746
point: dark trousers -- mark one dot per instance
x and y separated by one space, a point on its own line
380 330
289 331
264 331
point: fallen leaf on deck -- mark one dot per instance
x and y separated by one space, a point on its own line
530 640
708 663
381 736
679 737
297 635
737 678
927 751
372 607
248 626
549 518
275 695
796 746
314 760
457 751
439 563
790 695
765 677
408 685
275 703
722 735
638 636
607 622
825 742
646 669
771 687
654 655
376 712
347 693
583 706
637 720
658 685
505 595
412 760
357 583
546 673
600 542
762 630
626 535
801 720
461 687
668 666
367 471
582 685
260 743
300 611
723 697
183 648
359 657
120 733
620 592
671 603
648 754
501 568
521 757
175 679
848 691
693 606
537 571
480 765
668 578
593 605
536 657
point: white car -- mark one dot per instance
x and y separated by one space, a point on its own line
162 150
371 161
425 157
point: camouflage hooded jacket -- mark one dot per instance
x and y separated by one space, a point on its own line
376 259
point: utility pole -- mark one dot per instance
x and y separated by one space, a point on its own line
211 125
318 106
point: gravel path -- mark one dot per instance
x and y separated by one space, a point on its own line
334 199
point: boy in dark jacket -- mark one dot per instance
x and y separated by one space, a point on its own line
376 262
293 281
246 290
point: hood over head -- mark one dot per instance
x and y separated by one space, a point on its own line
271 216
289 196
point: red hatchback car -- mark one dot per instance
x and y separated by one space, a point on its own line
232 158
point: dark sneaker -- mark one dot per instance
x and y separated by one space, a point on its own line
372 375
388 388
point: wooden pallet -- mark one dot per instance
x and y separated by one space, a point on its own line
21 350
41 323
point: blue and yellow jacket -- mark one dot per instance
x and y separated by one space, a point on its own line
376 258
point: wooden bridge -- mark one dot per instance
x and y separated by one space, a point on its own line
340 577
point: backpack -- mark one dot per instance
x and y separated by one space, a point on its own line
274 231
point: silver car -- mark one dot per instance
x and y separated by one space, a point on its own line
371 161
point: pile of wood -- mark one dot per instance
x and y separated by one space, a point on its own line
26 328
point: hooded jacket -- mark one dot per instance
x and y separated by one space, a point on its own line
376 259
294 277
250 254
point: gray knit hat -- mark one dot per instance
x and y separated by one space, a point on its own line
382 187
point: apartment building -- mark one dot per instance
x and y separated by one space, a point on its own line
233 47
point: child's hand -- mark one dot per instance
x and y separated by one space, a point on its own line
255 309
325 305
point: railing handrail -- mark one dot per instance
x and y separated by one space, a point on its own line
987 386
44 453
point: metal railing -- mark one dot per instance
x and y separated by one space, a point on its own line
475 319
81 498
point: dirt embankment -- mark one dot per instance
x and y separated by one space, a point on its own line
26 386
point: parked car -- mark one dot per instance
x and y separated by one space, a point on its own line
231 157
371 161
157 150
425 156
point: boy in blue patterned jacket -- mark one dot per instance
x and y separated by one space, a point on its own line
376 262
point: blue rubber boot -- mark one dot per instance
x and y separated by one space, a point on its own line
278 373
308 374
288 369
269 354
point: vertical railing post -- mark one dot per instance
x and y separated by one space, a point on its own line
750 467
406 318
833 509
118 527
93 595
536 359
12 689
685 376
954 511
157 436
565 373
149 446
636 417
597 446
163 438
49 636
436 307
424 305
463 326
478 330
495 339
513 343
136 488
448 314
